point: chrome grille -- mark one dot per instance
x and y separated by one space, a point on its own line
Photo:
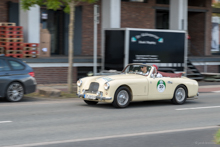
93 88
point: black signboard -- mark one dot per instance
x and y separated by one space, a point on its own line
157 47
114 49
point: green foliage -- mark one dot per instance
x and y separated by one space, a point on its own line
52 4
216 5
217 137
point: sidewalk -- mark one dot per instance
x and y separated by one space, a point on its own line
203 86
62 87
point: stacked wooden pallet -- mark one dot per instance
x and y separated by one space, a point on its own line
7 24
11 42
30 50
11 38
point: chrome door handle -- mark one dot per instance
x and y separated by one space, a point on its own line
169 82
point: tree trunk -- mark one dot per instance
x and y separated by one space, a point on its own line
71 48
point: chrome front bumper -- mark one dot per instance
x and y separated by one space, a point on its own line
97 97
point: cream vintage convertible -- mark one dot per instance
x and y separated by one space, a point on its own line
132 85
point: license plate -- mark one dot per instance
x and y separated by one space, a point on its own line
93 97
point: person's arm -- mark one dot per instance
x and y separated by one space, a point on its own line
159 75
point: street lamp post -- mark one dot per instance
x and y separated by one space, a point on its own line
96 22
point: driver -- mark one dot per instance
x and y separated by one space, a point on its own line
144 69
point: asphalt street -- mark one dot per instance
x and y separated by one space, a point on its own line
71 122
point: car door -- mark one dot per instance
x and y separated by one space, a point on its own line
160 88
4 76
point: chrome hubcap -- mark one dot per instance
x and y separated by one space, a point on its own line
122 97
15 92
180 94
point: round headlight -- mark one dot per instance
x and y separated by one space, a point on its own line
106 86
79 83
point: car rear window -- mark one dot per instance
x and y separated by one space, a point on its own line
4 66
16 65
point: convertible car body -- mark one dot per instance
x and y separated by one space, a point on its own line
132 85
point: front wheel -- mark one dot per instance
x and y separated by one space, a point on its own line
179 96
90 102
14 92
122 97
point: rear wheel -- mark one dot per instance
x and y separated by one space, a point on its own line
180 95
90 102
122 97
14 92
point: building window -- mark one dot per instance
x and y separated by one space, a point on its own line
142 1
197 3
215 43
162 19
167 2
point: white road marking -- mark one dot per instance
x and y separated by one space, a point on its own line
1 122
216 91
195 108
113 136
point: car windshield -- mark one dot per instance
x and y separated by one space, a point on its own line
137 69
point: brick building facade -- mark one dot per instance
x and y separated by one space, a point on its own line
4 9
134 15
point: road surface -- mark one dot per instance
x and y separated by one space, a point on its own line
71 122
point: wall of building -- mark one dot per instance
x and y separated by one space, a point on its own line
4 9
138 15
199 28
208 23
213 68
208 68
51 75
133 14
196 30
87 29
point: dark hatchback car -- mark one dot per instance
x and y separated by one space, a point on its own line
16 79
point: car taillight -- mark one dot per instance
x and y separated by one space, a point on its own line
31 74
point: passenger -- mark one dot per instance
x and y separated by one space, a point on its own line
158 75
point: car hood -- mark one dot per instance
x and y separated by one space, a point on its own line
119 77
